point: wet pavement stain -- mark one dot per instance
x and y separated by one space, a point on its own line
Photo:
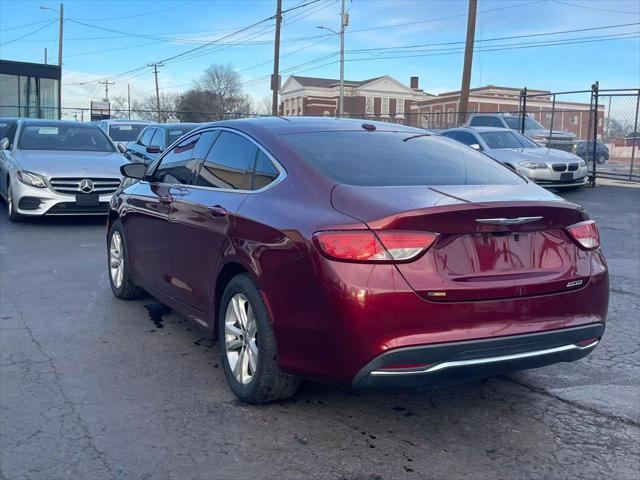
156 312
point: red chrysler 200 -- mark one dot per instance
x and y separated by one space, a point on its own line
363 254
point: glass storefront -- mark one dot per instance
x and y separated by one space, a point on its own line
25 92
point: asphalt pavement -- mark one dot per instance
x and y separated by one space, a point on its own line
92 387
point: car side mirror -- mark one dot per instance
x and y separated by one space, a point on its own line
154 149
5 144
476 146
136 171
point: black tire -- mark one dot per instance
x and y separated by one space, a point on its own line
11 208
127 290
268 383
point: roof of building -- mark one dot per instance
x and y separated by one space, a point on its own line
328 82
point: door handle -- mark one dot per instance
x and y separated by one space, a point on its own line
217 211
165 199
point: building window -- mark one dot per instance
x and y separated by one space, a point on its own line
573 120
400 107
450 116
384 108
299 105
368 106
548 116
600 121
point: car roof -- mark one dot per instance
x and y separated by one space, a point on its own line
301 124
176 125
479 129
125 120
52 123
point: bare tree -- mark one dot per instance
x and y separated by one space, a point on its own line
119 107
263 106
216 95
147 108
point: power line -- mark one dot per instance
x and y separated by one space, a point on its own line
17 27
532 35
595 8
146 14
30 33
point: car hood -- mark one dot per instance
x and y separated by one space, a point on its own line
538 132
370 203
546 155
71 163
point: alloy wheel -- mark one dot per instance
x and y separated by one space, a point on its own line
9 200
116 259
240 328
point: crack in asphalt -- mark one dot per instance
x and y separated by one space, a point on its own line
66 399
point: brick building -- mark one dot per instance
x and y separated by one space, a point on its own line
442 111
381 98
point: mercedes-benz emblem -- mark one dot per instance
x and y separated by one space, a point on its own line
86 185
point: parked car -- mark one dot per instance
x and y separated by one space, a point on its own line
122 131
154 139
52 167
558 139
546 166
363 254
584 149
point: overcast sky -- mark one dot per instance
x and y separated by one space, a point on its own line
110 37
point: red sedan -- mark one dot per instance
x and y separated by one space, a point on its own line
363 254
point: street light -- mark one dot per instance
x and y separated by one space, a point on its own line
344 21
60 34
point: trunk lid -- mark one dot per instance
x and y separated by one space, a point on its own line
479 255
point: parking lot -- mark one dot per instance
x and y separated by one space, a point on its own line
96 388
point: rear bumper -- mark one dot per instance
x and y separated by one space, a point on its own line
454 362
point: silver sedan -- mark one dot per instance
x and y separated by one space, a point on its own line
547 167
52 167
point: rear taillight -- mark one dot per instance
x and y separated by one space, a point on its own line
378 247
585 234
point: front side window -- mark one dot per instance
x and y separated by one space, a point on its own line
384 158
462 137
179 165
6 129
516 123
229 164
158 139
145 138
63 137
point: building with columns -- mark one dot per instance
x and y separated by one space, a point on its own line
381 98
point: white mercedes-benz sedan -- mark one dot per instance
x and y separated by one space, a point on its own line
53 167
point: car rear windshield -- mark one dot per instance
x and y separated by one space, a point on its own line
125 132
397 158
516 123
507 139
64 137
176 133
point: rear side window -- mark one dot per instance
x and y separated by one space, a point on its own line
397 158
179 165
229 164
264 173
486 121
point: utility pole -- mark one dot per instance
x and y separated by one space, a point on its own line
468 62
128 101
45 55
344 21
155 72
60 13
275 79
106 84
